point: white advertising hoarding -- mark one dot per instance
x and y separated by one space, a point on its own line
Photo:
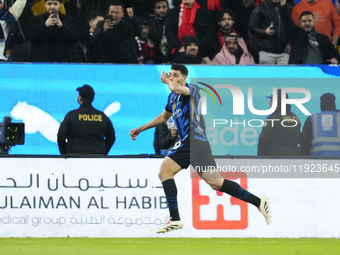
111 197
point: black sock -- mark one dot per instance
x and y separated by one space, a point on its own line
235 190
170 191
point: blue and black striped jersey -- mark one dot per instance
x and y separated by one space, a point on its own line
186 113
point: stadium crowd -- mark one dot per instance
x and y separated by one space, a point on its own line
215 32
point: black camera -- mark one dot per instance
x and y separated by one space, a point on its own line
12 133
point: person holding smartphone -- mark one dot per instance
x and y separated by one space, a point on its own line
116 35
272 41
9 26
53 35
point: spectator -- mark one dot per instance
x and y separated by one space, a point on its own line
8 26
166 136
190 56
320 134
116 36
86 130
157 30
226 20
146 47
266 24
308 45
53 36
39 7
234 52
327 19
214 7
91 52
86 7
277 139
19 37
95 17
243 10
188 19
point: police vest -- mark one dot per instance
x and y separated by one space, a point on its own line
326 134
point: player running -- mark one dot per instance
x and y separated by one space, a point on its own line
182 104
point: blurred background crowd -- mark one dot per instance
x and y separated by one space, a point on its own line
214 32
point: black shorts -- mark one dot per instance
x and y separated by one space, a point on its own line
198 153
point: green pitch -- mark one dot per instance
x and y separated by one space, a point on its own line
164 246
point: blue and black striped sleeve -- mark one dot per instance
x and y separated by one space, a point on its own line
168 105
193 90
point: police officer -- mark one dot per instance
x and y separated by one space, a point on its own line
280 134
87 130
320 134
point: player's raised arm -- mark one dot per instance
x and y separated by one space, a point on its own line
176 82
160 119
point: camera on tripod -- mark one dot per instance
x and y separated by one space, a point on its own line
11 134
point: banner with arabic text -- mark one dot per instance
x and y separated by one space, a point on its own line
112 197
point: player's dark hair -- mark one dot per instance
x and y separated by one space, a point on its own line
60 1
114 2
182 68
306 13
221 13
157 1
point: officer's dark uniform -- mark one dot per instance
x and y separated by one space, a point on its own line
87 130
280 137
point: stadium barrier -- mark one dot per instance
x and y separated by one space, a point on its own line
122 197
